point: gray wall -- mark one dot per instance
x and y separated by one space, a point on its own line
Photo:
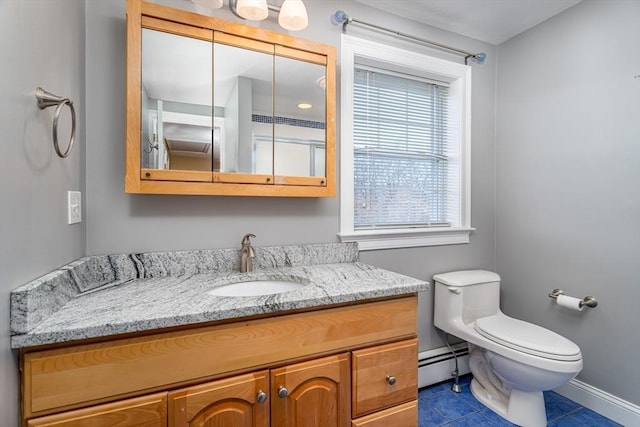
568 183
119 222
34 235
84 59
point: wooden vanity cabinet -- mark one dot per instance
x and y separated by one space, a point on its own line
328 367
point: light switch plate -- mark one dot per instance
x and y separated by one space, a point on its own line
74 206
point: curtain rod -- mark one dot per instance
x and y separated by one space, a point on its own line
339 17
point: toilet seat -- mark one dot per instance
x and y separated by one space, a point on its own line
527 338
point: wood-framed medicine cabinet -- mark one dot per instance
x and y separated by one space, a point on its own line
221 108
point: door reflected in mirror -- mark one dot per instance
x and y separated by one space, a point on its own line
177 130
243 89
300 118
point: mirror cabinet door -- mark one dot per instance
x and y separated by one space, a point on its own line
243 97
179 133
299 117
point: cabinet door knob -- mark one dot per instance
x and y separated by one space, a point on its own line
391 380
261 397
283 392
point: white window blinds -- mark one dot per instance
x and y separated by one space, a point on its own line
402 142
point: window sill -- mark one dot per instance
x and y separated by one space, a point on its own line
406 238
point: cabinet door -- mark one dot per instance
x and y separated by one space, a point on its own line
240 401
146 411
312 394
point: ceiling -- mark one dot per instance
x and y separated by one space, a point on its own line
492 21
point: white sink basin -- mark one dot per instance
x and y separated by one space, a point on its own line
255 288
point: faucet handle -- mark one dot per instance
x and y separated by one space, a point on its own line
246 240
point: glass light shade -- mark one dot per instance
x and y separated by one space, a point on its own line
253 10
293 15
213 4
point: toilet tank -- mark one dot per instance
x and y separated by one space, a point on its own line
465 295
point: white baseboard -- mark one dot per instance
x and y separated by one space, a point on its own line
612 407
437 365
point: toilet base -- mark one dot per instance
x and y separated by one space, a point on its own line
523 408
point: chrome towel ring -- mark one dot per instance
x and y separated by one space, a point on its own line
47 99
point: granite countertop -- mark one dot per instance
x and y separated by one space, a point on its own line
116 294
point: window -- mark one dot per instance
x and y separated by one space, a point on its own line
405 148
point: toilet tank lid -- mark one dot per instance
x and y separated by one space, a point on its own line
466 277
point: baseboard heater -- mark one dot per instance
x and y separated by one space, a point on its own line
436 365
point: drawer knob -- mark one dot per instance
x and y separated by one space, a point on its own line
391 380
283 392
261 397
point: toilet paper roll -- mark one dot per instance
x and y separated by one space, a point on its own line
569 302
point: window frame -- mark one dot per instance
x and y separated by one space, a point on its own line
356 50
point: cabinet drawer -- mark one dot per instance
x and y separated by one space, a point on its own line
147 411
405 415
384 376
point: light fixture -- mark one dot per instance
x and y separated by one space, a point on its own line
304 106
253 10
211 4
293 15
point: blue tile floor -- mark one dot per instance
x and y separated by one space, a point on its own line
439 406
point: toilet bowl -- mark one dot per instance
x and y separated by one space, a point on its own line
512 361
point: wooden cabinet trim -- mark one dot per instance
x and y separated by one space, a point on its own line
178 29
234 189
242 178
243 42
176 175
301 55
133 103
300 180
83 374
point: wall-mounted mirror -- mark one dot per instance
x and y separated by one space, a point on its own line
240 112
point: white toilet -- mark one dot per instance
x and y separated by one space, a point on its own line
512 361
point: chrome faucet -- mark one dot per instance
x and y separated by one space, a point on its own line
247 254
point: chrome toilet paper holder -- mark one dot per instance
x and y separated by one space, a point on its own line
587 301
